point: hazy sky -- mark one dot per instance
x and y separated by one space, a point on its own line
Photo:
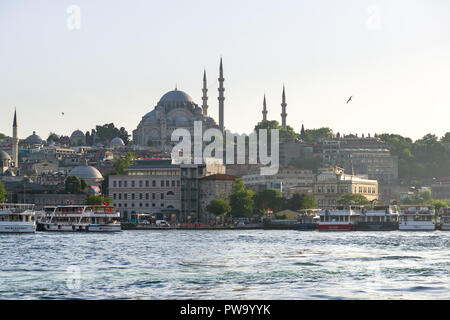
393 56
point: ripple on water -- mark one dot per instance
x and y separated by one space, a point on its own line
242 264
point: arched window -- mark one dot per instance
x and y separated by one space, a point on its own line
170 193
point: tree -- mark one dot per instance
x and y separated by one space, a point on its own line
285 132
267 199
3 193
311 135
356 199
94 200
122 163
74 185
53 137
300 202
306 163
2 135
219 207
108 131
241 200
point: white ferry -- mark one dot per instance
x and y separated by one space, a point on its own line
337 219
444 218
17 218
80 218
416 218
378 218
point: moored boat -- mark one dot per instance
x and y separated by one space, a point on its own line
341 218
17 218
80 219
378 218
416 218
306 220
444 219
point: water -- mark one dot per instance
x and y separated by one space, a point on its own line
233 264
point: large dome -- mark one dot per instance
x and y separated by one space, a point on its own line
175 96
34 139
86 172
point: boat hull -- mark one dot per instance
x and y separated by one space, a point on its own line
17 227
304 226
79 227
414 226
376 226
335 227
445 227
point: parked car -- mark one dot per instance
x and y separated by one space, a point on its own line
162 223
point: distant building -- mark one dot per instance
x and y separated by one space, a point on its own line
92 176
440 189
215 186
158 187
362 156
77 138
286 178
331 183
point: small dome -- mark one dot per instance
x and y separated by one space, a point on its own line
34 139
86 172
117 142
175 96
77 134
4 156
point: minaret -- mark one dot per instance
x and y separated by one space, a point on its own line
205 95
221 97
264 112
283 109
15 142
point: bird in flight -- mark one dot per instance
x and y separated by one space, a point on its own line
62 113
349 99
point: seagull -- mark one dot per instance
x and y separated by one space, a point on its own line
349 99
62 113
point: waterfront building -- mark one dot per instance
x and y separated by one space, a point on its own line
215 186
331 183
160 188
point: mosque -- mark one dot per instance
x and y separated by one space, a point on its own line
175 110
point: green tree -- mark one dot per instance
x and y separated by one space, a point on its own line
301 201
122 163
94 200
353 199
306 163
219 207
108 131
311 135
241 200
3 193
267 199
75 185
2 135
285 132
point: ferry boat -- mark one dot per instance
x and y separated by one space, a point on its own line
337 219
80 219
416 218
378 218
306 220
17 218
444 218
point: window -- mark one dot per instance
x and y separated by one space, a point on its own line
120 184
114 183
178 183
170 193
154 183
125 184
153 196
132 184
120 196
173 183
147 196
140 196
147 183
141 184
162 196
167 183
162 183
132 196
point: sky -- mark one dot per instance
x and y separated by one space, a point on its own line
114 60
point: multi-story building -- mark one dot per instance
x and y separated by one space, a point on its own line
287 178
216 186
161 188
362 156
331 183
440 189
